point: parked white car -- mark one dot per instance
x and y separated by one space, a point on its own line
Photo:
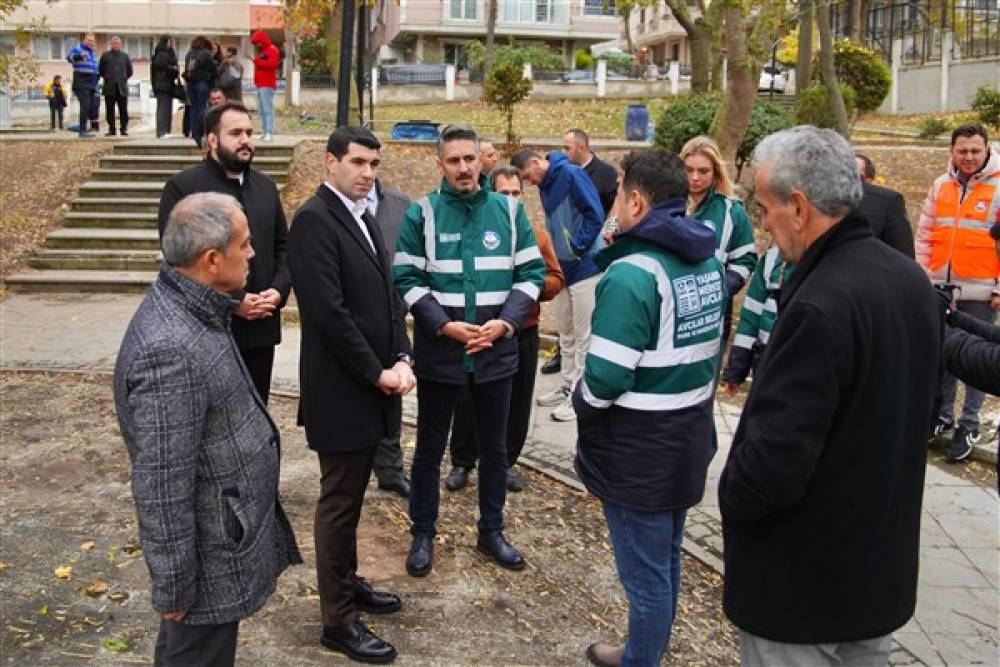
772 76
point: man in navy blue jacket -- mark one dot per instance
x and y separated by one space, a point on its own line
573 217
84 79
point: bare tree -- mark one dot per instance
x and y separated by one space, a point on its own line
703 36
491 28
827 68
803 64
749 33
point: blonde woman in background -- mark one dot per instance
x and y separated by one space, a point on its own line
711 198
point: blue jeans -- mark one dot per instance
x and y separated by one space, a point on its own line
969 418
85 97
198 92
490 406
265 107
648 555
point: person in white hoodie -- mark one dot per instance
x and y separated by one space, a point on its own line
954 247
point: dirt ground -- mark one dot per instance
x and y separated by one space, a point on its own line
65 503
39 179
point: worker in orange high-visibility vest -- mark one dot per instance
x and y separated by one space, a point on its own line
953 245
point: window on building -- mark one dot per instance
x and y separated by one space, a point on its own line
598 7
138 47
455 54
463 9
52 46
675 52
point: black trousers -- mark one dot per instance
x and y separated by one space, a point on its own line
110 101
343 480
180 645
164 113
259 361
464 450
435 405
389 460
56 114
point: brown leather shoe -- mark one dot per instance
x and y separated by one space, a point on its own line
605 655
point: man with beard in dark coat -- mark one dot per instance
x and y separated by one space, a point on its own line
226 169
820 497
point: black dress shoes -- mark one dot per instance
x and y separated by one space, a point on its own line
369 600
553 365
457 478
400 487
421 557
358 643
500 550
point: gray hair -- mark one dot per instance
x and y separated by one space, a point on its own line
198 223
456 133
818 163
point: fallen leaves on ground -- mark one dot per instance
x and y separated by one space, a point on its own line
65 572
39 178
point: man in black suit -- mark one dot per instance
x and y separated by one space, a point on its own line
885 210
388 207
353 368
256 322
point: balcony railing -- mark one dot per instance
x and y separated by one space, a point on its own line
511 12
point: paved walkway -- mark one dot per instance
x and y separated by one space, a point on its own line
957 617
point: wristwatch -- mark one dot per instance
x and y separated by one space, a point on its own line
405 358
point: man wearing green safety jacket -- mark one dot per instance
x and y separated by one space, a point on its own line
468 268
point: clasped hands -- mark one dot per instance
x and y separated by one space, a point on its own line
475 337
258 306
396 380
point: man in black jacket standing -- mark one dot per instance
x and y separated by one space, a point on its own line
821 495
226 169
115 67
576 146
353 369
885 210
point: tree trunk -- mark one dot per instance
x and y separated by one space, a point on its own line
827 69
733 116
491 28
855 18
627 21
701 51
803 65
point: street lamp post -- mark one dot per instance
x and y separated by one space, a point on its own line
344 80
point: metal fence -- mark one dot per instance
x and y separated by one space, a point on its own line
920 27
412 75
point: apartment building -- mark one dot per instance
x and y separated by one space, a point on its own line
139 23
415 31
658 38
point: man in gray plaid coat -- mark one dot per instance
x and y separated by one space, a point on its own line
204 452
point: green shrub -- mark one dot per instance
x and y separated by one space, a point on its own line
313 58
541 57
690 116
986 103
621 63
584 60
931 128
814 107
863 70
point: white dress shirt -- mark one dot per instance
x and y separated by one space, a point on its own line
357 209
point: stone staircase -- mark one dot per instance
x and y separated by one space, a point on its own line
108 242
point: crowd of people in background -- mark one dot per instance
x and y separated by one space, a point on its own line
206 67
840 330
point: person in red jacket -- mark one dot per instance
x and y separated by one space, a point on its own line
265 78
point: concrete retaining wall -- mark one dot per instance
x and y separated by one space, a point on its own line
919 86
